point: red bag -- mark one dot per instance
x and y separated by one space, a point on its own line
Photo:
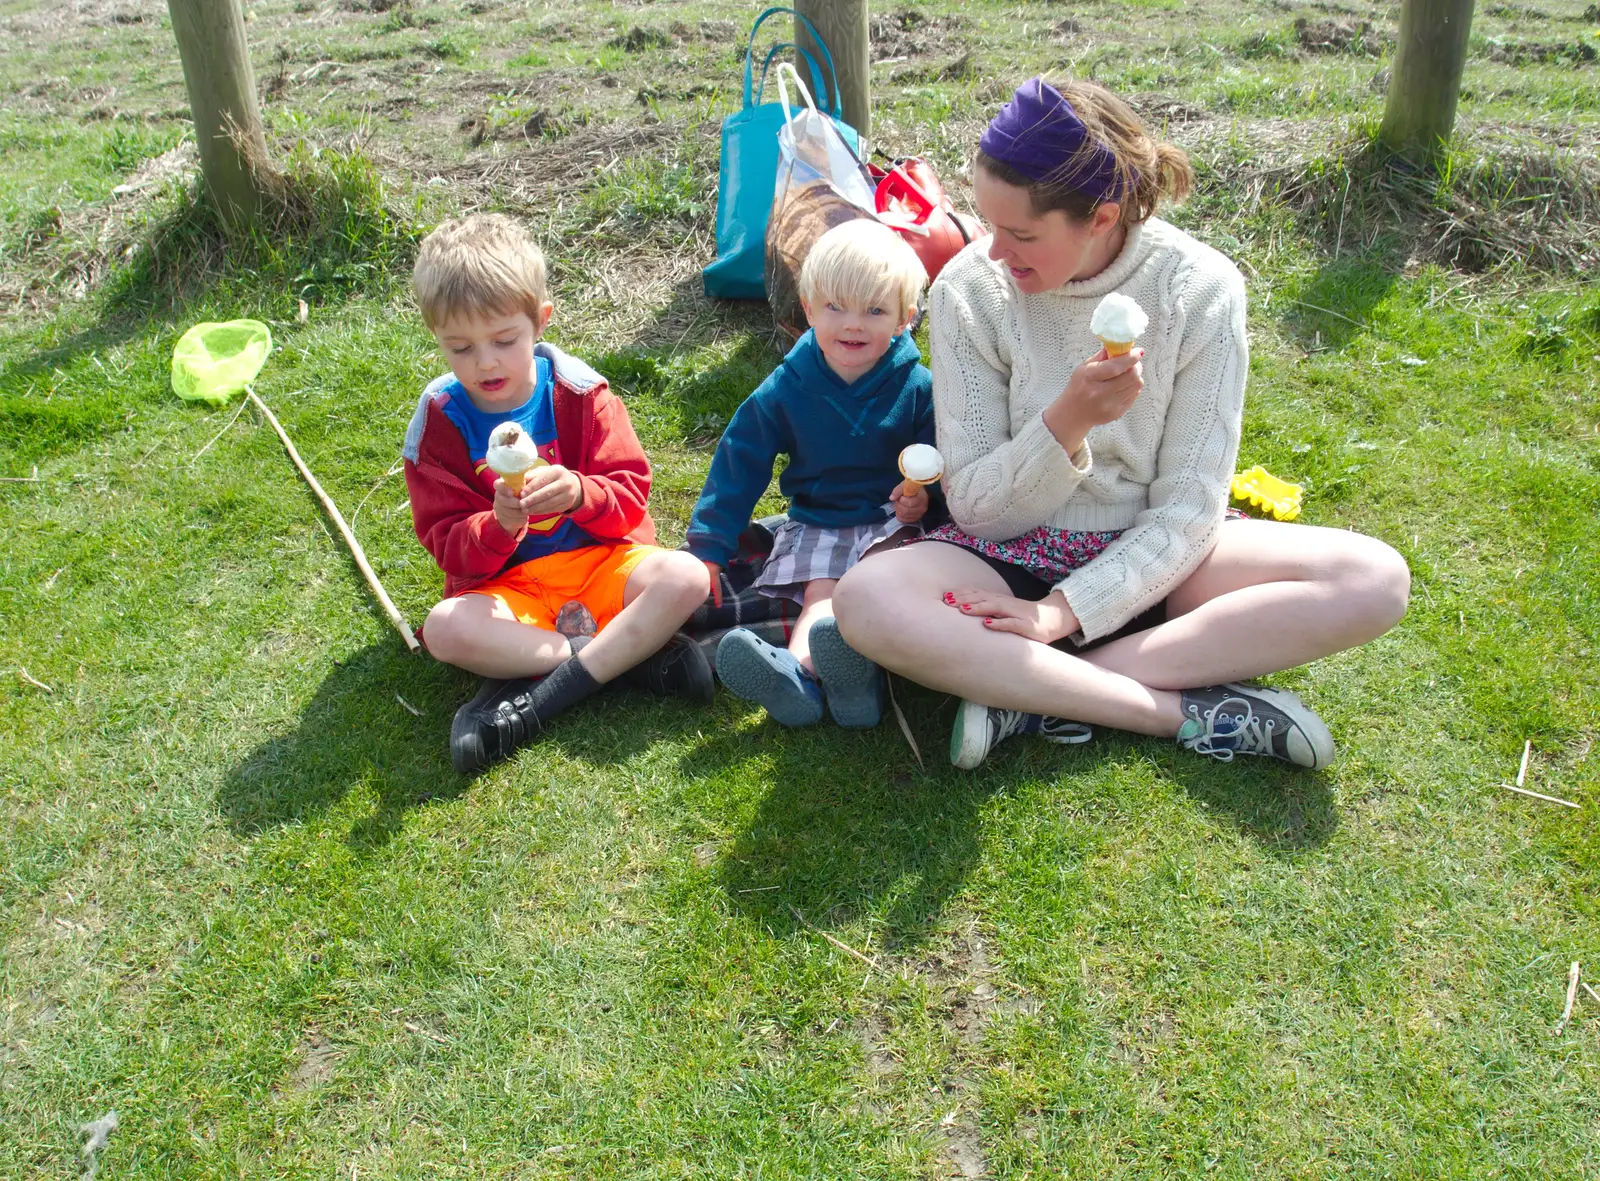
911 200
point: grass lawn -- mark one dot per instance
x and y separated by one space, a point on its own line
245 902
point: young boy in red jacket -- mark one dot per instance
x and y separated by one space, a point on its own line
552 592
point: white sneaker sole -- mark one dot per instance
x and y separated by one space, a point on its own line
969 737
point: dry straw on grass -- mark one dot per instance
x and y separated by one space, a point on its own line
1504 203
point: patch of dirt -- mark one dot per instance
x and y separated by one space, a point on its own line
1516 12
534 176
60 20
912 33
1159 110
880 1062
319 1057
1520 53
639 39
1338 36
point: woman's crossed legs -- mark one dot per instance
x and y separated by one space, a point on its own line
1269 596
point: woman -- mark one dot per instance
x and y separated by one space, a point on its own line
1092 572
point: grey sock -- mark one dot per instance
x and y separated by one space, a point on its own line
567 685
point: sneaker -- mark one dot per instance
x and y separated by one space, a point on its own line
852 684
1227 720
756 671
679 668
981 728
494 723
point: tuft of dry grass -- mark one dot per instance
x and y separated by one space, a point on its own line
1506 202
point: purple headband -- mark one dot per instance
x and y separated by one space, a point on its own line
1040 135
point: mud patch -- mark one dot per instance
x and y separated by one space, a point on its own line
319 1058
1521 53
1358 38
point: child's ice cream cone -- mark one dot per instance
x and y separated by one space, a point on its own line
921 464
1118 321
511 455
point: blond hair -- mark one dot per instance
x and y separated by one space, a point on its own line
485 264
863 264
1150 172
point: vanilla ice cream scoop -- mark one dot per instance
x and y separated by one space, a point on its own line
512 454
1118 321
921 464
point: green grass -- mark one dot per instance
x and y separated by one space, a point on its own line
245 902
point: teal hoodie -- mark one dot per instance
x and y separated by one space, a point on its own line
843 441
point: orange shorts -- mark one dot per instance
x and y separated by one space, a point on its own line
595 576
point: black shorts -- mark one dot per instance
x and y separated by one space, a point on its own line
1031 588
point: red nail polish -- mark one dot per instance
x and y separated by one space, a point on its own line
966 606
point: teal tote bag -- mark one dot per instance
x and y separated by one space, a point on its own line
749 170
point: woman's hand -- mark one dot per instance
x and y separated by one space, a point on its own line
1048 620
1099 391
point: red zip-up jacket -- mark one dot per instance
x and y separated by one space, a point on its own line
454 514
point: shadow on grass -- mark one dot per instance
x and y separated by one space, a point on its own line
354 731
1286 810
849 824
1337 303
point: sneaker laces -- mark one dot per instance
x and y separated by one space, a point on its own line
1003 723
1251 734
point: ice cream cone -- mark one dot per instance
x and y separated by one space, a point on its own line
515 481
931 470
1117 348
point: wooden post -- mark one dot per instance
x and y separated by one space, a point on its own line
1425 78
222 101
843 25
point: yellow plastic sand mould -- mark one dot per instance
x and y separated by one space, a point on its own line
212 362
1264 490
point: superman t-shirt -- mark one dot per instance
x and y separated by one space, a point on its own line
547 535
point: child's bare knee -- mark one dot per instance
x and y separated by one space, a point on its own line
686 576
445 630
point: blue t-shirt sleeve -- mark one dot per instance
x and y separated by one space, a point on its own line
741 469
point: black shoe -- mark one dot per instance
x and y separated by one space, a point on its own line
494 723
678 669
1238 719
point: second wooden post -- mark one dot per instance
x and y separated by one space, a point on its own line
843 25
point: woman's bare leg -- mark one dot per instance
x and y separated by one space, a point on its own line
1269 596
891 610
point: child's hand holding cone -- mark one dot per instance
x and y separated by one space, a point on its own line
921 465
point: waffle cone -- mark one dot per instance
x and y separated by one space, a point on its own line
515 480
1117 348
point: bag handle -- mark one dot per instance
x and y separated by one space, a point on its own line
811 65
836 109
787 69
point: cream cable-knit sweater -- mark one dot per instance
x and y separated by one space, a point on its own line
1160 472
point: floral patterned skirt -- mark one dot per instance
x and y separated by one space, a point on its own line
1046 553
